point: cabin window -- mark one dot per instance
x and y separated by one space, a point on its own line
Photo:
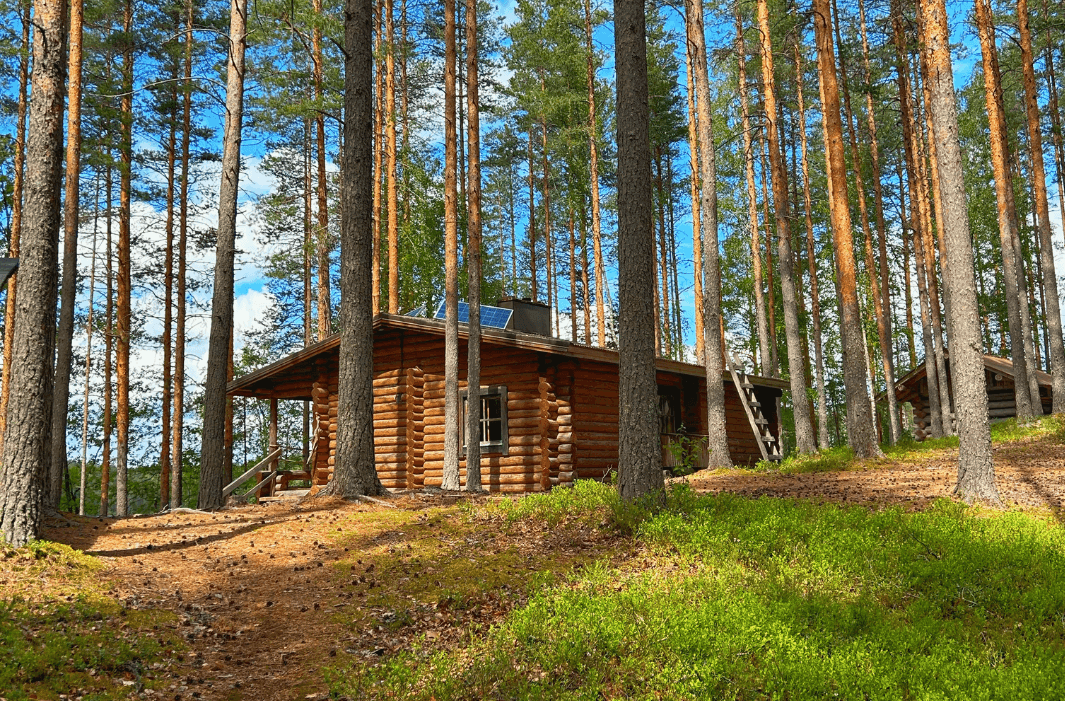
493 432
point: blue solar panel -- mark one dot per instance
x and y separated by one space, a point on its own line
491 317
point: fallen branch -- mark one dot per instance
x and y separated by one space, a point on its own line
371 500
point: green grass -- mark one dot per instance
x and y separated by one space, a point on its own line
62 635
756 599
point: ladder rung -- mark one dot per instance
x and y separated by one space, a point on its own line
746 385
755 404
760 421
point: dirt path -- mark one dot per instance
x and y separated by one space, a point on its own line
268 596
1029 473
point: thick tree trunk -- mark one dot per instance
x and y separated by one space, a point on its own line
879 300
1042 212
804 430
593 137
639 451
761 324
65 335
390 161
811 259
213 448
1003 197
452 400
861 433
976 475
123 305
17 187
713 338
355 472
26 445
697 232
473 257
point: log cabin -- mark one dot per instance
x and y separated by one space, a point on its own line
998 376
549 406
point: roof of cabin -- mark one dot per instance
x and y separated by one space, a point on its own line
994 363
299 370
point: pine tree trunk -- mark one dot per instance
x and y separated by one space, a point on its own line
762 325
65 335
584 282
168 307
26 445
1055 116
917 221
713 339
355 472
663 258
109 343
124 303
593 164
697 234
639 449
177 459
88 357
875 292
907 285
452 400
572 278
1042 212
325 326
534 267
17 187
391 160
811 259
861 433
473 256
976 475
1003 197
804 430
378 148
213 446
774 358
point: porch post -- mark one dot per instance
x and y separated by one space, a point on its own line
273 445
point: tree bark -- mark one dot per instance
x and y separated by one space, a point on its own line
861 433
534 267
976 475
378 124
65 335
572 278
639 451
390 161
593 164
213 449
17 188
123 304
88 357
473 255
109 343
26 445
452 400
811 259
804 430
879 300
713 338
355 472
325 326
168 303
774 353
1042 211
1003 198
697 232
177 459
762 325
911 341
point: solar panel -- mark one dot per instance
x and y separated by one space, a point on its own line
491 317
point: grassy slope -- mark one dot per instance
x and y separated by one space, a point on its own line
61 634
738 598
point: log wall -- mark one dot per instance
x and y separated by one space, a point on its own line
562 415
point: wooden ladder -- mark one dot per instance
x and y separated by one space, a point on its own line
767 442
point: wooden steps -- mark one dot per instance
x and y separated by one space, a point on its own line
767 442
